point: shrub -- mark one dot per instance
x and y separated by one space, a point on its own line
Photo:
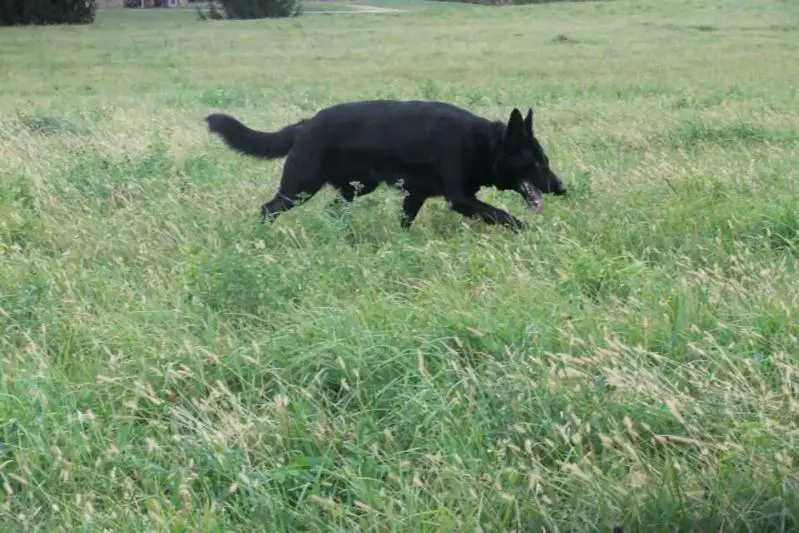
255 9
40 12
512 2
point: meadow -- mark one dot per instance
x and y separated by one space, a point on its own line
170 363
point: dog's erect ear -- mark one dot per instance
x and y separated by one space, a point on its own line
528 123
515 125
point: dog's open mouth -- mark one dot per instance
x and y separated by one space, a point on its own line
532 195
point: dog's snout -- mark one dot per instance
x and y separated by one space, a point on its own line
556 186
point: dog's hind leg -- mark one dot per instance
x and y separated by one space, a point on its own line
361 188
348 192
410 208
300 181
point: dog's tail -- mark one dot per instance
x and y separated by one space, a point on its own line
266 145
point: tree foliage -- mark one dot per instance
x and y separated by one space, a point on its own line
40 12
253 9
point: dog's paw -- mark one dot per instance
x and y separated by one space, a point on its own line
517 225
513 223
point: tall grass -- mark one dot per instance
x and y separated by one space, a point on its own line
171 364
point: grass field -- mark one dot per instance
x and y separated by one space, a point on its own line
171 364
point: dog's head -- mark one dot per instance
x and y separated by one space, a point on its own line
523 166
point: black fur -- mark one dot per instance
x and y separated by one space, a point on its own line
427 149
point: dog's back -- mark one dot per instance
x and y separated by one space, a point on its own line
411 130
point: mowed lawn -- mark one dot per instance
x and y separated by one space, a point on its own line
169 363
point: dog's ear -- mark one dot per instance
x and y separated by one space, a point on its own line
515 125
528 123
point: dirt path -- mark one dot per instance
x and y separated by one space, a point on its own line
357 8
376 9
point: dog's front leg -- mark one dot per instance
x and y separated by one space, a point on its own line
470 206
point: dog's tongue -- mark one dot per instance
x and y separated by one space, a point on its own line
533 196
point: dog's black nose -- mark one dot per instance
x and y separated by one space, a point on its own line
556 186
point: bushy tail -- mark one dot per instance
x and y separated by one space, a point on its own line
267 145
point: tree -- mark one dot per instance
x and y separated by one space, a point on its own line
40 12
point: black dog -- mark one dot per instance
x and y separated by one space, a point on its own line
427 149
